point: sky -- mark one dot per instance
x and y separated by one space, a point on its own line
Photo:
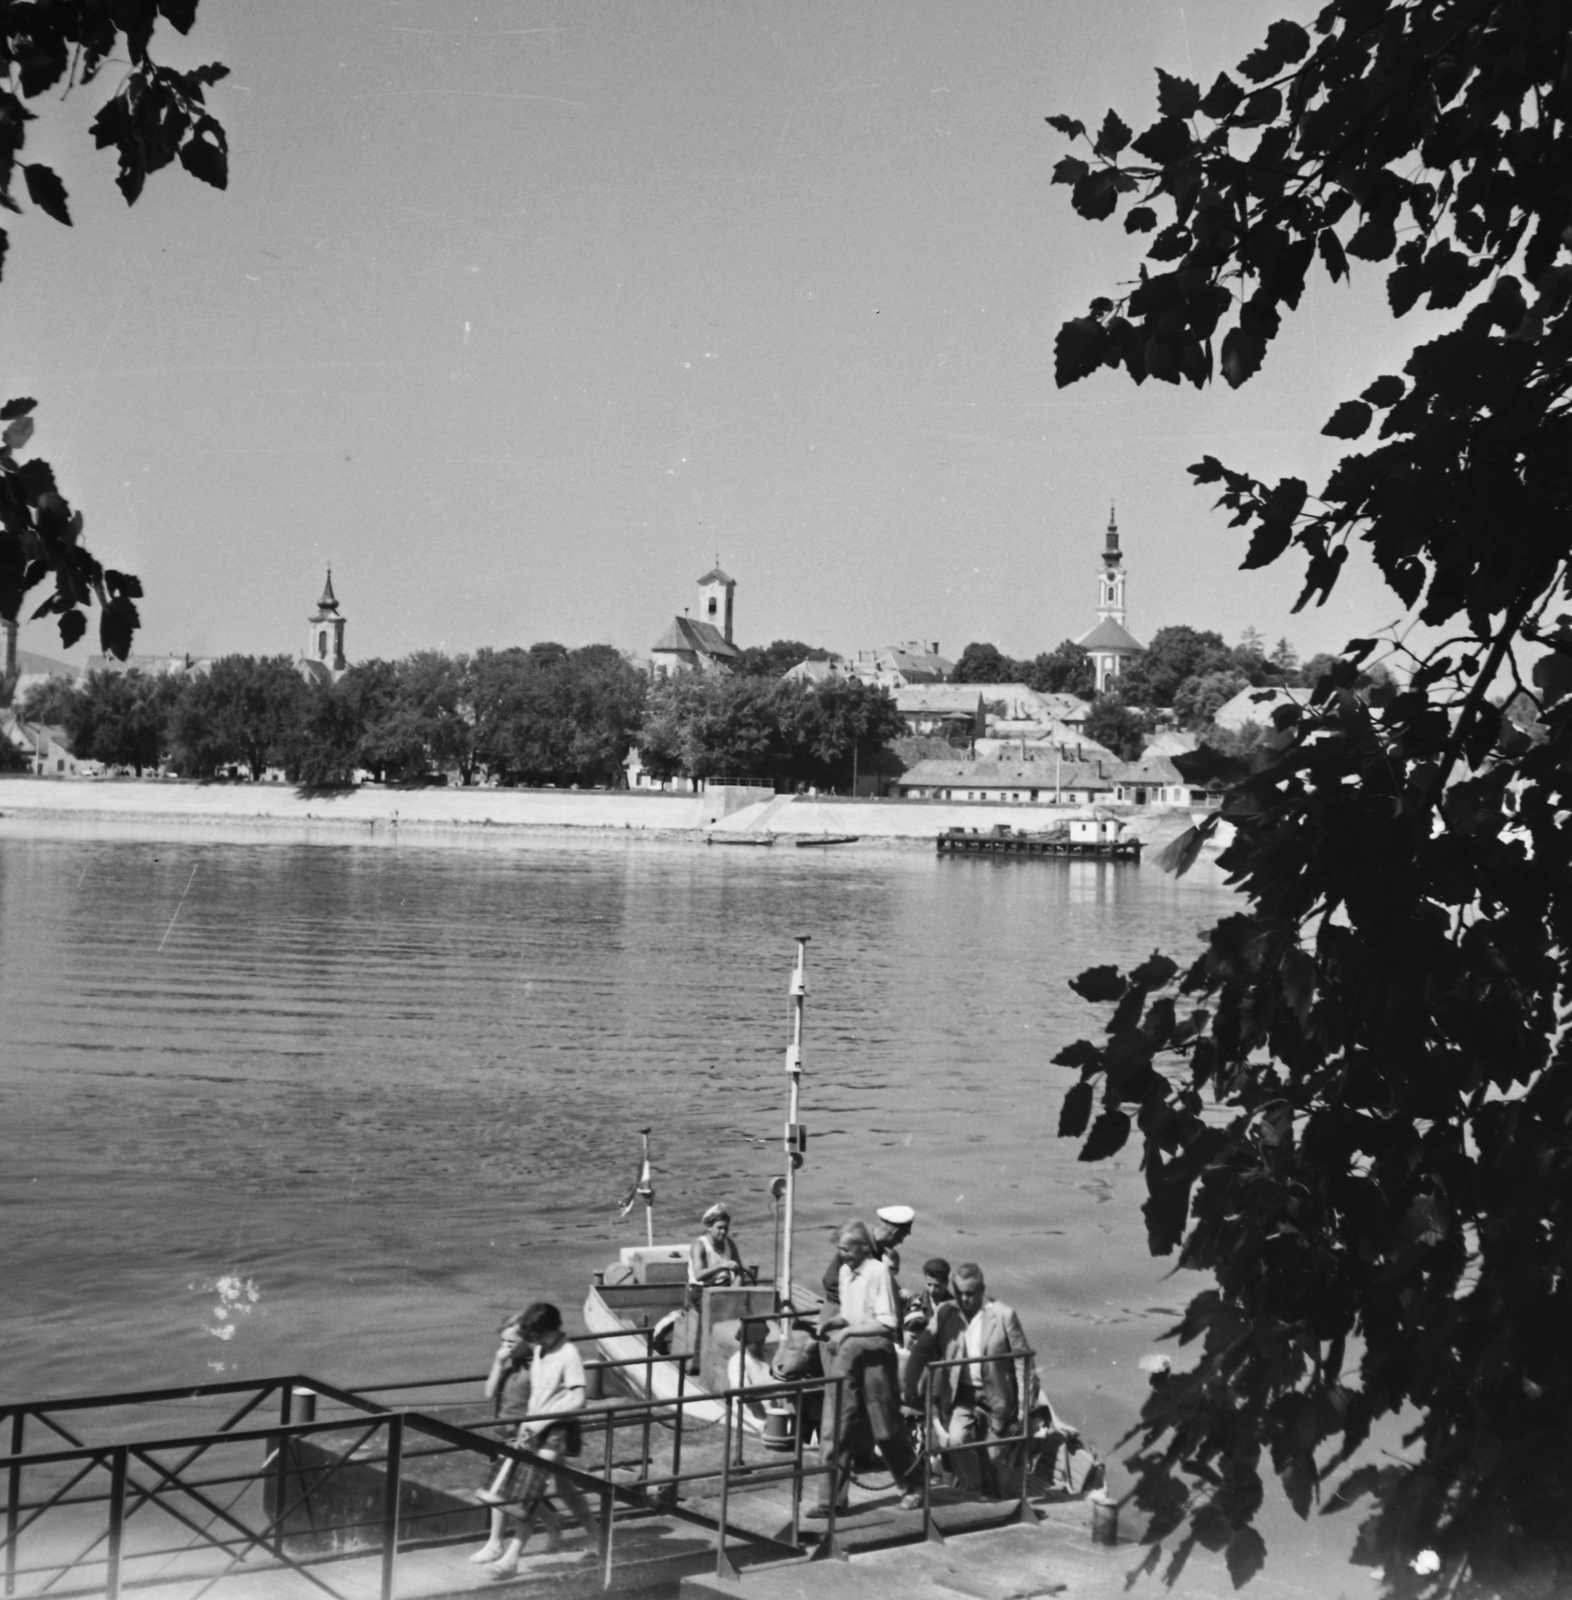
522 314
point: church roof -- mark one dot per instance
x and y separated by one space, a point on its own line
1110 635
700 638
715 575
329 600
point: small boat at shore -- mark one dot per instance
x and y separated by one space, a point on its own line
827 838
762 839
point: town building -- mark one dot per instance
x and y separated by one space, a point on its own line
899 666
1155 781
703 643
1110 644
323 659
1069 783
46 749
951 711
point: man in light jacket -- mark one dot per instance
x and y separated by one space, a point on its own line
983 1399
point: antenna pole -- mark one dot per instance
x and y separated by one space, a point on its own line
796 1138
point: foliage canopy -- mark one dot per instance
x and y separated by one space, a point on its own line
154 117
1355 1105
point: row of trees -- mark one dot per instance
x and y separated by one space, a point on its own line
542 715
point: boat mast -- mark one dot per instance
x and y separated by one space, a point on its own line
796 1135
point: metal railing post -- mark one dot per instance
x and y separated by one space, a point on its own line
649 1415
930 1529
1024 1428
831 1543
119 1459
723 1566
796 1472
607 1503
13 1500
390 1503
676 1443
281 1447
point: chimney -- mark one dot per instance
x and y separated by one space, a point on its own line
9 624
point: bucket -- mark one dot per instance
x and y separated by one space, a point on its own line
780 1424
1105 1519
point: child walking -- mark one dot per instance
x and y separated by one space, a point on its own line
556 1401
508 1386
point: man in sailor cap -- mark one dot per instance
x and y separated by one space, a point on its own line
890 1232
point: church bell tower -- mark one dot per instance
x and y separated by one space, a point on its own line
325 641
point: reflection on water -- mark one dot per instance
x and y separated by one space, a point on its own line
278 1107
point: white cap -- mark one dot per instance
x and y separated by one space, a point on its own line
896 1216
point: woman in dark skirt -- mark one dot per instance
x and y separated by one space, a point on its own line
507 1385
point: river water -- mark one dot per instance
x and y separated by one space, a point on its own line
277 1106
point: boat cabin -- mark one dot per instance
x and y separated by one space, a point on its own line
1095 830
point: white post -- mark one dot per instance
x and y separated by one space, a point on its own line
798 992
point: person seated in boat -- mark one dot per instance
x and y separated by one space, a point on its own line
891 1228
713 1258
860 1331
983 1399
508 1388
557 1400
749 1366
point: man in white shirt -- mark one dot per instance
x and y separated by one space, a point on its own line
860 1335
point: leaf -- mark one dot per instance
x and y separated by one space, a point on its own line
1246 1555
1142 219
1553 676
1155 971
72 626
1385 391
1222 98
1177 97
1078 350
1069 169
1261 64
17 433
1099 983
1332 254
1108 1135
1243 354
1165 141
1083 1054
16 408
47 192
1112 137
1348 421
205 154
1076 1111
1068 126
1179 855
117 623
1298 975
1288 40
1095 196
1374 239
1271 538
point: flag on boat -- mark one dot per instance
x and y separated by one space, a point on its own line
643 1188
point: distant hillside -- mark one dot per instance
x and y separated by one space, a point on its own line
30 661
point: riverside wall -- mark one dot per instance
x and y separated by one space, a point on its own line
41 805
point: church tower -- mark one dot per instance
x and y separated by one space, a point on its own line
1110 644
715 600
325 641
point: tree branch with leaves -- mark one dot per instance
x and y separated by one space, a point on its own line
155 116
1355 1107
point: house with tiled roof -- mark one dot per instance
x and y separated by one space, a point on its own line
702 643
1053 782
898 666
952 711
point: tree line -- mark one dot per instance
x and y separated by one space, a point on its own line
541 715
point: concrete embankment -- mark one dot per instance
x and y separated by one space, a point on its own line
377 814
